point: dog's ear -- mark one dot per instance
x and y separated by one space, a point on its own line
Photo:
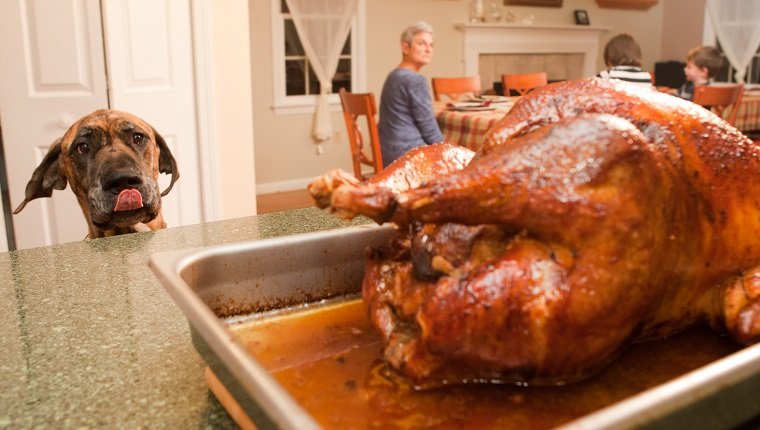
166 162
46 177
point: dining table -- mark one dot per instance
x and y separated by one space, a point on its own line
466 123
748 116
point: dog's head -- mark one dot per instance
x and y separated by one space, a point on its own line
112 161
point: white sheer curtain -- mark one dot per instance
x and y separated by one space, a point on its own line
737 26
323 26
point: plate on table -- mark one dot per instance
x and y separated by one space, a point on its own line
470 106
491 98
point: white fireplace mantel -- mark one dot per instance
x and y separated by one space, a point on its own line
530 39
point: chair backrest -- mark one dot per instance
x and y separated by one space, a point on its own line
455 88
719 98
522 83
355 106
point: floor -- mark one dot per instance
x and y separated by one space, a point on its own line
283 201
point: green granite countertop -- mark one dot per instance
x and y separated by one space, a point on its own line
92 340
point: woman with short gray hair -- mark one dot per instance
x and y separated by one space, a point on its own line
417 27
406 109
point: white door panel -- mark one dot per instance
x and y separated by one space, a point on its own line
53 73
150 63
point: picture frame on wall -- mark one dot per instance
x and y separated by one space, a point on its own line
581 17
541 3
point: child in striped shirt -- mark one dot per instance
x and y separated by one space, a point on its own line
622 55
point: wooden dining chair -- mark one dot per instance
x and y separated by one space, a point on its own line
720 98
524 82
456 88
355 106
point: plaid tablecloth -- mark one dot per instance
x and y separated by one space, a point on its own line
467 128
748 117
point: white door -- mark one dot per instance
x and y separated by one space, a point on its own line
54 71
52 74
150 74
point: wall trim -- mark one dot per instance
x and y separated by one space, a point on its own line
278 187
708 32
204 101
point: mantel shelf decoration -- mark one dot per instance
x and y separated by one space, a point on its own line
485 11
542 3
627 4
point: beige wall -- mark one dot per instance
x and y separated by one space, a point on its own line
678 39
286 157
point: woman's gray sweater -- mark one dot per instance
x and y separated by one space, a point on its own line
406 115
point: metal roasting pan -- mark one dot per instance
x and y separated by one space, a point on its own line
213 283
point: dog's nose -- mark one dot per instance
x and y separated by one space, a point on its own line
117 181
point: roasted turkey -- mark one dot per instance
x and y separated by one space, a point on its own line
596 214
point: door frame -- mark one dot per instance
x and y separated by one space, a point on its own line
205 113
7 235
220 124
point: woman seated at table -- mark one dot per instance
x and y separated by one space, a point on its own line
406 109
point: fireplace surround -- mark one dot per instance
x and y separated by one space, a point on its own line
563 51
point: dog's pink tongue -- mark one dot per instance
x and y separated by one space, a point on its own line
128 200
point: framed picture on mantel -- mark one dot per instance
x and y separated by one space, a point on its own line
542 3
581 17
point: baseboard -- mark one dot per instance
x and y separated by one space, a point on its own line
278 187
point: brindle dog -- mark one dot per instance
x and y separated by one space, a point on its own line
112 160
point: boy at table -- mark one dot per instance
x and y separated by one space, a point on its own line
702 64
406 108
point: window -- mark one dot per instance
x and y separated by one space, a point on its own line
295 84
753 70
729 73
299 77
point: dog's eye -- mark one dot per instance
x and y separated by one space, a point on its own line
83 148
138 138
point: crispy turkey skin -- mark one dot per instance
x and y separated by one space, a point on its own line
596 214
